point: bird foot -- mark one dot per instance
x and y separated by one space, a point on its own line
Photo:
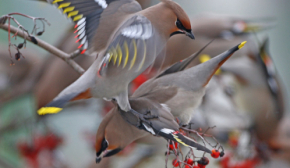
143 117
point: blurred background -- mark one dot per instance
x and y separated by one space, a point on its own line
259 126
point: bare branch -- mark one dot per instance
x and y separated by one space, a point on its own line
53 50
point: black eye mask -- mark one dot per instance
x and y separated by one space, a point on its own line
180 26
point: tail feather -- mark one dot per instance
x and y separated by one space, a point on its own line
58 103
178 137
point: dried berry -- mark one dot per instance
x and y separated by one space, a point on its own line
40 33
33 39
17 56
20 46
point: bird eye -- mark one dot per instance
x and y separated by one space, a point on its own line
179 24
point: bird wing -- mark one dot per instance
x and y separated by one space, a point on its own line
181 65
164 126
134 47
87 14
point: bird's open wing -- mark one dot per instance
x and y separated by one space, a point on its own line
86 14
134 47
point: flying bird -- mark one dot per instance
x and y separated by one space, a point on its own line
122 55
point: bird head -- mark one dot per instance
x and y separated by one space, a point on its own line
104 149
110 138
182 22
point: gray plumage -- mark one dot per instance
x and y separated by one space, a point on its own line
131 48
183 91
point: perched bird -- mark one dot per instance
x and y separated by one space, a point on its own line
114 133
183 91
131 49
110 138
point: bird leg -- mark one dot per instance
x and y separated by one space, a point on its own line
143 117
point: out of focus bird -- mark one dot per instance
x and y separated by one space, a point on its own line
226 30
218 107
131 49
258 91
183 91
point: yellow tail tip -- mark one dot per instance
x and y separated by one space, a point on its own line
48 110
203 58
242 44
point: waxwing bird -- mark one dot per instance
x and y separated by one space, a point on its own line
131 49
228 26
218 107
259 91
118 129
226 30
183 91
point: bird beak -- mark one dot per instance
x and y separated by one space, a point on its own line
190 34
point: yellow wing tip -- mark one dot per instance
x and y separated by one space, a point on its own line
48 110
242 44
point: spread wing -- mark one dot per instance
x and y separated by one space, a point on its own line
86 14
134 48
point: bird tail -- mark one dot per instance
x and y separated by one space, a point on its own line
182 139
58 103
80 89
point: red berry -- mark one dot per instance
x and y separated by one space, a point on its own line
186 166
189 161
175 144
203 161
171 146
196 166
201 166
175 163
215 153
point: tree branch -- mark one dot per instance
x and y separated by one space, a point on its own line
53 50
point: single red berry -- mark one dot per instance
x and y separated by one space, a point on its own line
203 161
189 161
215 153
175 144
196 166
186 166
175 163
201 166
171 147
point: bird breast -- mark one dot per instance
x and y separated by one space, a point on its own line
185 102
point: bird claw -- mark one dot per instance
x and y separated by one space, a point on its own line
143 117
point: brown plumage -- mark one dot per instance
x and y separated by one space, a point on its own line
131 49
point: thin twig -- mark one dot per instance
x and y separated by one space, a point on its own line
53 50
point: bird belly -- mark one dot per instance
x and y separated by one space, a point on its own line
184 103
